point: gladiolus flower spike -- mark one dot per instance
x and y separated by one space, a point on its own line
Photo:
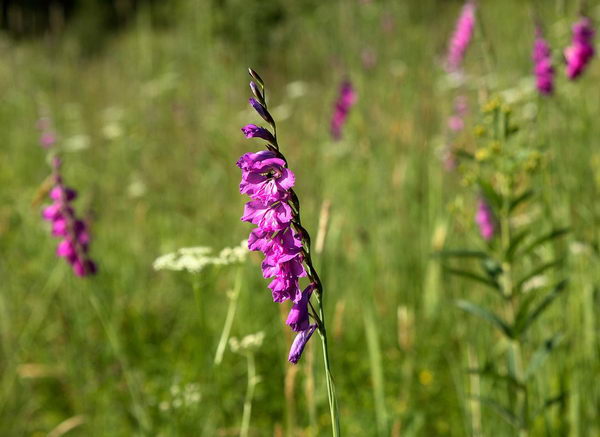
461 38
73 232
581 51
346 99
279 235
543 69
275 210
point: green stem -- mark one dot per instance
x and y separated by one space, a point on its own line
512 302
229 318
333 407
249 395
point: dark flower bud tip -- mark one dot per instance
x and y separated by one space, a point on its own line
256 77
257 93
262 111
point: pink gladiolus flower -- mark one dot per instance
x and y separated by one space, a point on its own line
581 51
47 137
456 121
543 69
265 176
345 101
463 33
269 217
75 239
273 208
485 220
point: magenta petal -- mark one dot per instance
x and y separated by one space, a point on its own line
268 217
62 194
84 267
346 99
264 176
461 38
51 212
284 288
581 50
60 228
485 220
65 249
259 240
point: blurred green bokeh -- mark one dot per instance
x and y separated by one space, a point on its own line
148 108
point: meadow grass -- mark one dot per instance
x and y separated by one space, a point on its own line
150 131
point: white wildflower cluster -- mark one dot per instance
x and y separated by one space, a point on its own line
233 255
195 259
182 397
249 343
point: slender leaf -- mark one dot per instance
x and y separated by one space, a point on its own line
549 403
538 271
475 277
459 253
493 198
515 242
464 154
556 233
541 354
548 299
491 373
523 310
491 267
499 409
486 315
520 199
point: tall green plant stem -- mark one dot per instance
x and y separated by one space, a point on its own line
233 300
512 300
333 407
252 380
319 316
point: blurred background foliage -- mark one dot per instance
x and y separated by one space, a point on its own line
147 99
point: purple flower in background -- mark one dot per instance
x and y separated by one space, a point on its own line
463 33
485 220
299 342
47 137
345 101
448 158
456 122
73 232
581 50
543 69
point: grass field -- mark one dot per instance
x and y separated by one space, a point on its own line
149 132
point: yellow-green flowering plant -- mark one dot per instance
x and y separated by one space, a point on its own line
513 259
